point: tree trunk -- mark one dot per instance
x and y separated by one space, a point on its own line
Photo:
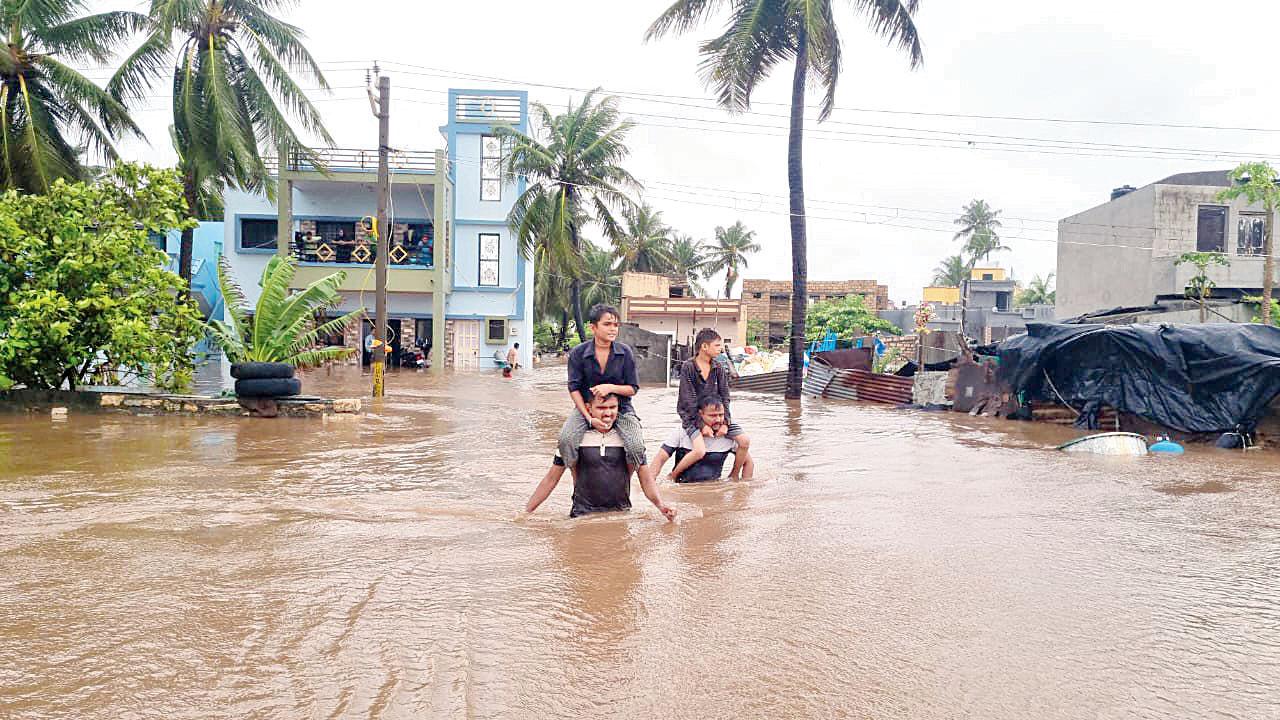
188 236
564 326
799 243
1268 264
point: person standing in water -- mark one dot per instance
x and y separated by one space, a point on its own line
603 366
601 473
701 376
718 447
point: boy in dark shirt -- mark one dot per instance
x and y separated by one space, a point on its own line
602 366
601 473
701 376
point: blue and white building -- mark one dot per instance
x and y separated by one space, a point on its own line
455 282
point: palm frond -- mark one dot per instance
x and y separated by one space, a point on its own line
92 37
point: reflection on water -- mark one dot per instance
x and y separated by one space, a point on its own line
883 564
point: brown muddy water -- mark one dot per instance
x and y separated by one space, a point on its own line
884 564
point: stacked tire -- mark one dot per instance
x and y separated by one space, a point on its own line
265 380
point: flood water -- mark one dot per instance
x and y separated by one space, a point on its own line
883 564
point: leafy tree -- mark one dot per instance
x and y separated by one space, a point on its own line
1256 182
284 326
232 92
759 35
979 224
846 317
951 272
755 331
86 292
688 258
49 112
1038 292
729 254
1200 286
573 165
645 243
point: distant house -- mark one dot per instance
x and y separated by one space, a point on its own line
663 305
769 301
1122 253
456 281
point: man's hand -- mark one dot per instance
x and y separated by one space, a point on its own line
668 512
599 425
604 389
722 430
707 431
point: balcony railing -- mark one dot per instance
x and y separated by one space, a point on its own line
336 160
313 249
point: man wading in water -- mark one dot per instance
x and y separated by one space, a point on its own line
702 377
710 464
601 366
601 473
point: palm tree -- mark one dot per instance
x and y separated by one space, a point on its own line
1038 292
951 272
601 281
979 223
759 35
48 110
729 253
688 258
232 88
574 174
645 243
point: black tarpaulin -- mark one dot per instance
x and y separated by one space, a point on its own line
1193 378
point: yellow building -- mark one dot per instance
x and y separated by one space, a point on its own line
941 295
987 273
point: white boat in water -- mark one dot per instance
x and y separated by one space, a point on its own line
1109 443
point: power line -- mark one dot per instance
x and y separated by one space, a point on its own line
917 113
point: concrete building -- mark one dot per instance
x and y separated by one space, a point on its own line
455 278
769 301
1122 253
658 304
940 295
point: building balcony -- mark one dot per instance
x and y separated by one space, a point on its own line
331 161
313 249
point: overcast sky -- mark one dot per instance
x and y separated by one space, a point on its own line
883 187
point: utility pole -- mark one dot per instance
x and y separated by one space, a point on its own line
382 235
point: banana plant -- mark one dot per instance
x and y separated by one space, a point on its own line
283 327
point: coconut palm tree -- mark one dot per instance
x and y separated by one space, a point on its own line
688 258
951 272
759 35
978 228
49 112
601 280
233 92
574 173
729 253
1038 292
645 243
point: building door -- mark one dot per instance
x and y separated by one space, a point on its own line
466 344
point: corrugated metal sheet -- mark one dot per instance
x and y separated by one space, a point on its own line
774 382
816 380
842 386
883 388
870 387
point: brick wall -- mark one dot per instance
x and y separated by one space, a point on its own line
774 304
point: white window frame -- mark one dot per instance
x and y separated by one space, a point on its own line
486 176
495 261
